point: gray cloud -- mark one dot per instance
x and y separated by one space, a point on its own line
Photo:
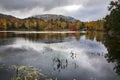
91 9
29 4
90 13
45 4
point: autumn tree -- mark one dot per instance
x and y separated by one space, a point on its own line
4 24
0 24
63 24
72 26
27 24
78 25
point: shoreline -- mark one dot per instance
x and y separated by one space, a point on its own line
44 32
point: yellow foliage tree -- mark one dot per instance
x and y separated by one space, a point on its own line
78 24
63 24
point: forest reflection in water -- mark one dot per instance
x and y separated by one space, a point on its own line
65 56
53 36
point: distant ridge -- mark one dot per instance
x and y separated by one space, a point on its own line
47 17
6 16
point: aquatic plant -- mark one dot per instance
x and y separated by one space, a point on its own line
28 73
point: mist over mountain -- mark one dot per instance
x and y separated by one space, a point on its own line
47 17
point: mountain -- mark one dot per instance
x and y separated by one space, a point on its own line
47 17
7 16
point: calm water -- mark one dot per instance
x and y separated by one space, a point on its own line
61 56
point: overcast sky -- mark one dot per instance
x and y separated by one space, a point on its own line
84 10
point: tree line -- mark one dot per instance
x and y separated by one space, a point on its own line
35 24
38 24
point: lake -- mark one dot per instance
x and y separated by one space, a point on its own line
59 56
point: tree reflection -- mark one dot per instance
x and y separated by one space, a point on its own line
90 35
77 36
113 55
53 37
99 36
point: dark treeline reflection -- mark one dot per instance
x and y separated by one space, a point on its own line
53 37
113 56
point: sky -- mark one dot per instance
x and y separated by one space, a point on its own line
84 10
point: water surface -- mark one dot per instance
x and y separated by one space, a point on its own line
61 56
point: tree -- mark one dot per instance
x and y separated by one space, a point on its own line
72 26
112 21
41 24
22 27
63 24
27 24
4 24
0 24
78 24
61 19
13 26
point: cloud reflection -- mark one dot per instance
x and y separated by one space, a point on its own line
61 59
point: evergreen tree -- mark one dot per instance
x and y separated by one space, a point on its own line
112 21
